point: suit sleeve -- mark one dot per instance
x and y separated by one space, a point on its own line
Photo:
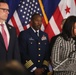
16 49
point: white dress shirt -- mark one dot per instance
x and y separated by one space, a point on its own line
6 30
35 31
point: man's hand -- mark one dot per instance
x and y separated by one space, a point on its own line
39 71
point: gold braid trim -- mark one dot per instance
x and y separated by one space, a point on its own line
49 73
28 64
45 63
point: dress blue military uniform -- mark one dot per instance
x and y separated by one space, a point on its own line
34 50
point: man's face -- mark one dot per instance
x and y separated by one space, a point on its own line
4 11
37 22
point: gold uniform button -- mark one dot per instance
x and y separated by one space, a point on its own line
45 43
38 60
31 42
39 49
39 43
26 60
39 55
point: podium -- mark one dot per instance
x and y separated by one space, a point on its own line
67 67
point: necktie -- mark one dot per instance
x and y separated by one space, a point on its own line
37 33
4 35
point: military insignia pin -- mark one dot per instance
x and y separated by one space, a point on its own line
43 37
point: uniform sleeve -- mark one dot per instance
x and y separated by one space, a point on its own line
47 55
25 58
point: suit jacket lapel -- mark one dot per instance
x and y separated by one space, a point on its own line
1 39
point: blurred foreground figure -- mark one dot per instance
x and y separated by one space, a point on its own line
12 68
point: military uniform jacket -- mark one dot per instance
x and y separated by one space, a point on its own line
34 49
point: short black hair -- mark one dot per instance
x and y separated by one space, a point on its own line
35 14
3 1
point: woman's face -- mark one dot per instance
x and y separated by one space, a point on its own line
75 29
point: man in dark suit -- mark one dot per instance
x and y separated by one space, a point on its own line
35 47
9 49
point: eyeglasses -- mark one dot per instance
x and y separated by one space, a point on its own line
5 10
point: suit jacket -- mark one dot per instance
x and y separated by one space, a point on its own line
13 48
34 49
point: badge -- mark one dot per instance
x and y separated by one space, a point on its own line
43 38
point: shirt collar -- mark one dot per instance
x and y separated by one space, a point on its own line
35 30
2 23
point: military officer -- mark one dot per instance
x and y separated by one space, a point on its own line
34 47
